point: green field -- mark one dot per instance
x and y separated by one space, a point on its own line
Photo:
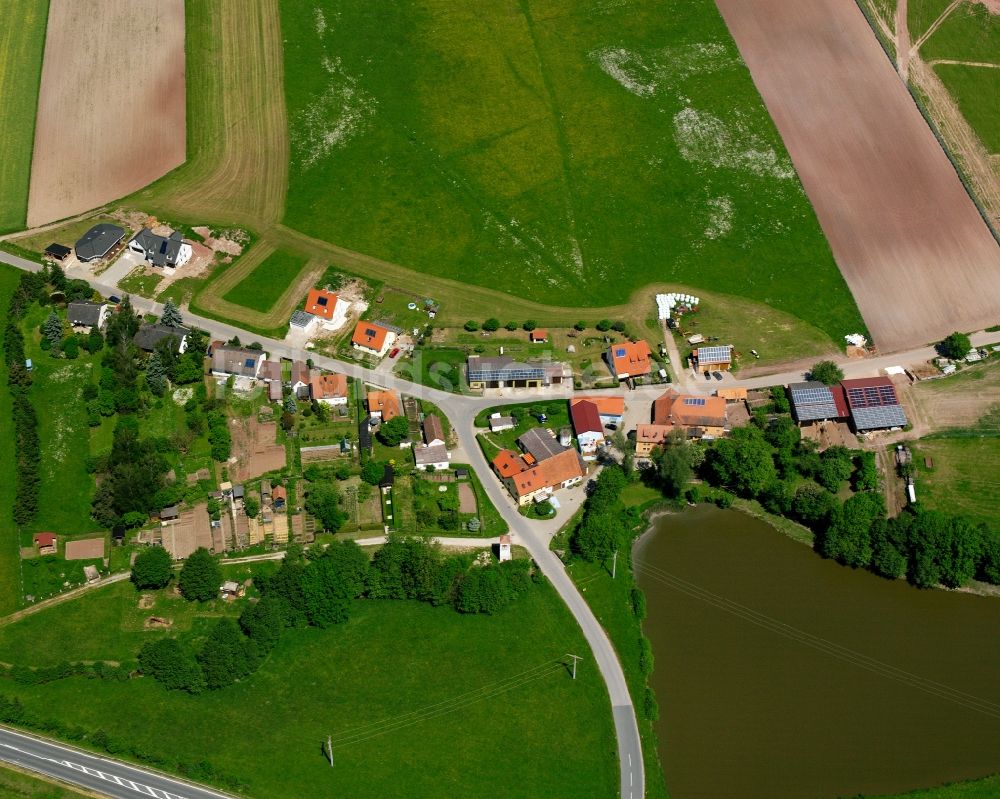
970 33
988 788
16 784
971 86
22 42
965 476
269 280
413 696
10 559
550 150
920 15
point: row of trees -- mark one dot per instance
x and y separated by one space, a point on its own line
199 579
768 461
492 324
316 590
27 449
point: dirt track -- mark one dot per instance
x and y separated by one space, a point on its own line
111 108
910 243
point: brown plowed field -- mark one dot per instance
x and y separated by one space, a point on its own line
111 108
909 241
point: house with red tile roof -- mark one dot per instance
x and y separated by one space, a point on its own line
384 405
611 409
629 359
588 427
326 306
372 338
330 389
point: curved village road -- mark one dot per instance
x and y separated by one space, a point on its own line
534 536
97 774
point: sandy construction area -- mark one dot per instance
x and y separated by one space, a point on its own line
111 108
918 258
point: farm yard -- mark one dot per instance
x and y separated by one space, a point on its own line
120 142
893 208
21 47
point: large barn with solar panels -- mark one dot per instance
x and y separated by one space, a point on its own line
817 402
874 403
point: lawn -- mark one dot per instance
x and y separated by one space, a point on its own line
413 696
551 151
965 476
10 559
970 33
920 15
17 784
437 367
557 417
969 86
56 392
261 288
141 283
22 43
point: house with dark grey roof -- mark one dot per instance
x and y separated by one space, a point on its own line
164 251
57 252
540 443
150 335
504 372
87 316
98 242
237 361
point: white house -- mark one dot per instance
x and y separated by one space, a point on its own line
588 427
87 316
505 548
372 338
330 389
500 423
436 455
237 361
326 307
169 252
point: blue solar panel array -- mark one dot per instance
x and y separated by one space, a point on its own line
813 402
699 401
878 416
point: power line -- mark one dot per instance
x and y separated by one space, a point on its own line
824 645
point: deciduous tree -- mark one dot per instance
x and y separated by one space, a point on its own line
200 577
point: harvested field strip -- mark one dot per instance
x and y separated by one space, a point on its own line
893 208
111 107
260 289
21 47
237 134
212 299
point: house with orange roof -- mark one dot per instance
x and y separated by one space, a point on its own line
700 416
507 463
629 359
326 306
372 338
611 409
330 389
650 437
539 335
384 405
540 481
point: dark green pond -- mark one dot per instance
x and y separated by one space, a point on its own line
779 674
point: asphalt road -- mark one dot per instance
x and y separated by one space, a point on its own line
107 777
533 535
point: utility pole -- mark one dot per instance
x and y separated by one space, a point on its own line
329 749
575 659
614 564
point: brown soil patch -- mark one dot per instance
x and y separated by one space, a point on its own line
111 107
192 529
158 623
254 449
916 254
146 601
466 498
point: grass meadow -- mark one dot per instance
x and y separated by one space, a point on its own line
413 696
10 559
17 784
970 33
965 476
261 288
565 152
22 44
971 87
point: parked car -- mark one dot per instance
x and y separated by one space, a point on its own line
612 425
114 299
717 375
394 353
708 375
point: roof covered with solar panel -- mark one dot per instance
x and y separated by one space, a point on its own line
814 402
874 403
